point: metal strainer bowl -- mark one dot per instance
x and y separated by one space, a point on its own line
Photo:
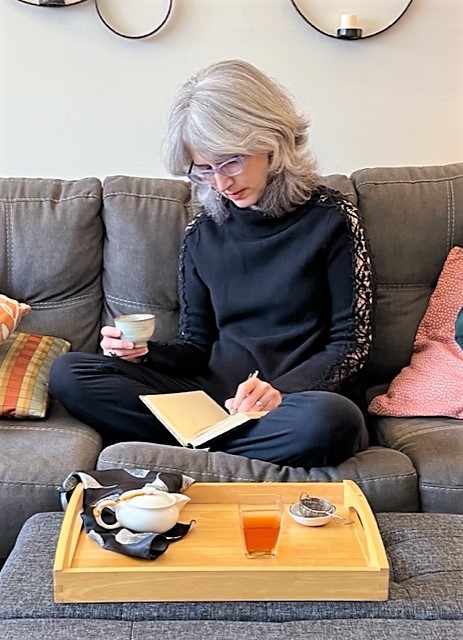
312 507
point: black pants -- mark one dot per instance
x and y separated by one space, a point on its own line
311 428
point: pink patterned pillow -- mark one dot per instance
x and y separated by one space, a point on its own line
11 312
432 384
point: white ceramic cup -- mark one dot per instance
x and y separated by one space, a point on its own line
136 327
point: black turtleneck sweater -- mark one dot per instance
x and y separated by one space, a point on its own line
289 296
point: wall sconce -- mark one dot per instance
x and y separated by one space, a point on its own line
348 26
70 3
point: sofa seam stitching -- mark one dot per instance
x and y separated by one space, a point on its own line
55 200
9 242
404 285
50 180
451 207
143 196
427 485
48 429
66 303
157 306
4 483
401 440
417 181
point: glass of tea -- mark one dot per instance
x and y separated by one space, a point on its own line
261 518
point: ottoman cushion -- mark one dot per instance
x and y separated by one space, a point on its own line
426 581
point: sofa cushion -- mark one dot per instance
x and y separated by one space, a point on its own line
25 364
435 447
144 219
413 217
386 477
55 224
341 183
11 312
35 457
431 384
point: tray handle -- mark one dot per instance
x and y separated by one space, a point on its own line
72 524
372 542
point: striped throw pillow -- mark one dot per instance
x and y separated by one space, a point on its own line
25 363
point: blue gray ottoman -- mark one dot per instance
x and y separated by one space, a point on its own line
425 600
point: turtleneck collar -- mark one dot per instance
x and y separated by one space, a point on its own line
253 221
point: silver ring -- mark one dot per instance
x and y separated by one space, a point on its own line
259 403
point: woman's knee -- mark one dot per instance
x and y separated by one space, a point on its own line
325 405
61 370
336 410
330 423
67 371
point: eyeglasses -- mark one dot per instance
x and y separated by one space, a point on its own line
231 167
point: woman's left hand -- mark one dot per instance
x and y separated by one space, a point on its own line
113 345
254 395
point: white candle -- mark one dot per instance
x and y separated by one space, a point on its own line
348 21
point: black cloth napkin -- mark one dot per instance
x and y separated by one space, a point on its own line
110 484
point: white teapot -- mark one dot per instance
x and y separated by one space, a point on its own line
143 510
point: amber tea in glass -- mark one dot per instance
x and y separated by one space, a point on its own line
261 518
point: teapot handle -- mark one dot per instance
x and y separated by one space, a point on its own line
97 514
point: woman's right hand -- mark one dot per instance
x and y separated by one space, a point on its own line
113 345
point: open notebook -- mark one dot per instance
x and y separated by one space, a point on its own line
193 417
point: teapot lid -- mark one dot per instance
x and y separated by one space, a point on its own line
153 500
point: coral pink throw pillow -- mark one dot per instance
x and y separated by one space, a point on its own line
11 312
432 384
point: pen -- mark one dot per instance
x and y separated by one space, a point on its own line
253 374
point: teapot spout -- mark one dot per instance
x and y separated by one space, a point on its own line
181 499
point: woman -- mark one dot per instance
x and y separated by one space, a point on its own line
275 277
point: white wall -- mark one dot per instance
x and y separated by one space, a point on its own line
76 100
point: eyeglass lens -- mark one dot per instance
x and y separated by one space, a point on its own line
228 168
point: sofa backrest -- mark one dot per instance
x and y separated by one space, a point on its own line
144 220
413 217
51 255
81 254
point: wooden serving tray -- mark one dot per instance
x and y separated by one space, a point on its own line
332 562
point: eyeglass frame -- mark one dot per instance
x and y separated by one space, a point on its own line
196 176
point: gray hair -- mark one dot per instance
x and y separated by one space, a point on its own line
231 108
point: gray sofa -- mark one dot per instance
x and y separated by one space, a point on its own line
80 252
